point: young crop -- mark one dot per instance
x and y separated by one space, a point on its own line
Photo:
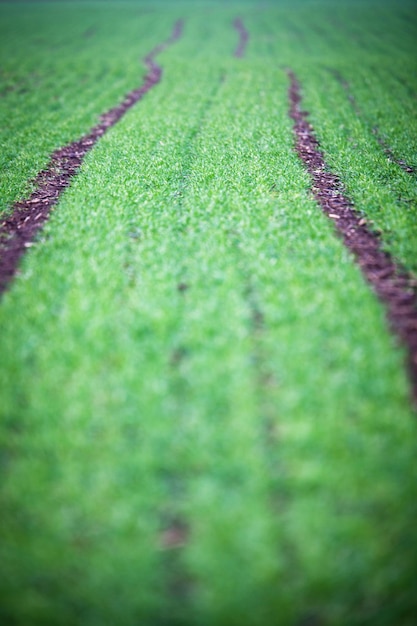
204 417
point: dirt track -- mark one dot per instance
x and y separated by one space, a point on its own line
19 229
375 130
394 286
243 38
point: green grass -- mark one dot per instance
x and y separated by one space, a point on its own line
68 66
266 406
373 51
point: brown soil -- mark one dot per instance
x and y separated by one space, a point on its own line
176 535
243 38
19 229
394 286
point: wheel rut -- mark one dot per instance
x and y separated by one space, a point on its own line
18 230
243 38
406 167
176 530
395 287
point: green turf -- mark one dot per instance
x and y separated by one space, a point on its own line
68 66
374 51
189 343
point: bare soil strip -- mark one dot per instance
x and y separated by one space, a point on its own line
375 130
19 229
394 286
243 38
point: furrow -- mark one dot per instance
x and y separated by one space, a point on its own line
243 38
19 229
406 167
176 529
394 286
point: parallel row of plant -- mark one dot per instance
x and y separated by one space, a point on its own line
204 417
55 83
372 54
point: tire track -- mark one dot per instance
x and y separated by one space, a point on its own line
243 38
395 287
176 530
375 129
19 229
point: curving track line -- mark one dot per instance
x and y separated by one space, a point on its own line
394 286
243 38
19 229
406 167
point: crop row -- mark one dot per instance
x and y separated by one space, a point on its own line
204 416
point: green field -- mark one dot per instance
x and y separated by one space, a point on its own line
204 418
